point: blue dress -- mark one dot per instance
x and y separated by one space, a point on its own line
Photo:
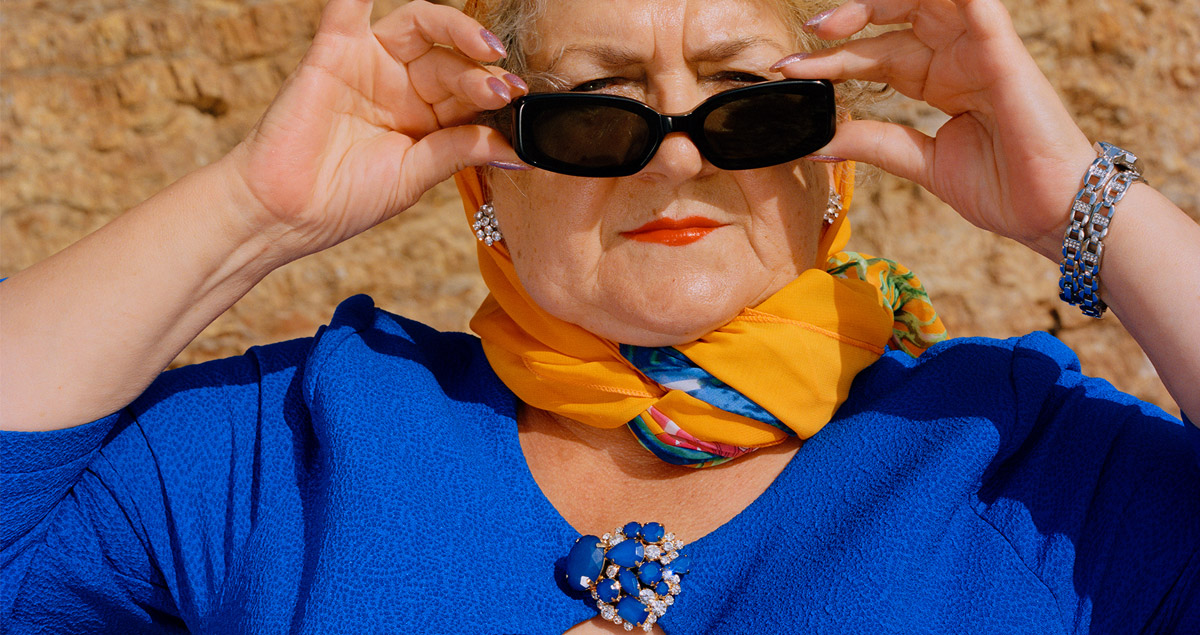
370 480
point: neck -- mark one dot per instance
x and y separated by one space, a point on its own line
602 478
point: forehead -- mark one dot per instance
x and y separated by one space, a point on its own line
659 30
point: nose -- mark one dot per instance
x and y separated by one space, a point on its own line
677 159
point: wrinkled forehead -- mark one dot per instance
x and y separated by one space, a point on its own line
618 33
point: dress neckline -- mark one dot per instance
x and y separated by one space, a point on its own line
521 477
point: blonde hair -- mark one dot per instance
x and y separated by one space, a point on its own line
515 23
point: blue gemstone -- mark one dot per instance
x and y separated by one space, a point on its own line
653 532
680 565
632 530
662 588
627 553
629 582
650 573
632 611
608 590
586 559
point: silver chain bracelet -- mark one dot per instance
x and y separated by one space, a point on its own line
1104 185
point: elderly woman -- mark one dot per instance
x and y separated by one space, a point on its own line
668 293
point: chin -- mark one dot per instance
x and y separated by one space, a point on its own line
674 316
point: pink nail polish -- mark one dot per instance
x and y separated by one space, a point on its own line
817 19
500 88
516 82
492 41
506 165
794 57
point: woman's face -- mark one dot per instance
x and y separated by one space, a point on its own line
577 243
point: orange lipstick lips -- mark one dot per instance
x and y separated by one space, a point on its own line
674 232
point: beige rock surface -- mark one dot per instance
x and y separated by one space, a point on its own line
104 102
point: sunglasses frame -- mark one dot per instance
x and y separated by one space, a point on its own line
660 125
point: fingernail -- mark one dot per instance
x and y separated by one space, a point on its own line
794 57
824 158
516 82
505 165
500 88
817 19
493 41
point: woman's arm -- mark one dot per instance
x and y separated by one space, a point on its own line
1011 159
371 118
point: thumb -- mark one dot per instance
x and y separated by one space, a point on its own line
440 154
900 150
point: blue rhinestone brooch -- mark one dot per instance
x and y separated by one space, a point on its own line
633 573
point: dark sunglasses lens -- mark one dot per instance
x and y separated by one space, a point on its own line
586 136
767 129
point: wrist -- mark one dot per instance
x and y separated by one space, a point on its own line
245 220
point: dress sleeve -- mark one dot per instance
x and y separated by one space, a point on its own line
1099 494
131 523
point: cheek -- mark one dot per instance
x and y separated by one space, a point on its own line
788 205
551 229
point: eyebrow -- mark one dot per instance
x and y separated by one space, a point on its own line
613 56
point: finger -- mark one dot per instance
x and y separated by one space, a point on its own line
855 15
439 155
454 111
346 17
897 58
985 19
898 149
412 30
449 81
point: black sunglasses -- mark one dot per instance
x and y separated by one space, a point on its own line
583 134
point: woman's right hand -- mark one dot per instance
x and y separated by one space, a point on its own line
373 117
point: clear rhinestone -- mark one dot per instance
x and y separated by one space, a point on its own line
658 607
668 545
616 619
607 612
600 605
674 588
669 600
672 578
612 571
653 552
488 241
605 538
585 581
648 625
595 596
678 545
650 620
669 537
478 215
617 538
628 626
647 596
479 234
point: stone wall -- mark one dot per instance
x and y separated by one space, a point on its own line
103 102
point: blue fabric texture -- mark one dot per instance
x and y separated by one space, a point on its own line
370 480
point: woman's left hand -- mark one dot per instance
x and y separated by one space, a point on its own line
1010 159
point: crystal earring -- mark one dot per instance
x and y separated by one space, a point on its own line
835 207
487 230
